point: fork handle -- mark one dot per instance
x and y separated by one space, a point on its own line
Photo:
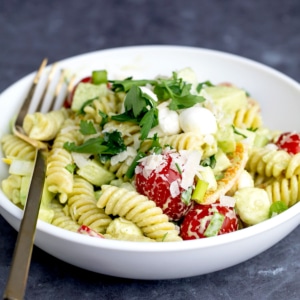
17 279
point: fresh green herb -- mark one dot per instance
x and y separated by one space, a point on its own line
186 196
87 127
114 141
209 162
276 208
71 168
140 109
149 120
126 84
92 146
86 103
99 77
130 172
104 117
110 144
252 129
155 145
238 133
215 225
178 168
178 91
203 84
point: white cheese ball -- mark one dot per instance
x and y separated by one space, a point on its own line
199 120
168 121
252 205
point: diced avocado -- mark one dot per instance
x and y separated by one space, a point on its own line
228 98
222 162
226 139
85 92
95 173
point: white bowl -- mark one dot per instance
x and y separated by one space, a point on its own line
279 98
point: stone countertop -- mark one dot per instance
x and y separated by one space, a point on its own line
266 31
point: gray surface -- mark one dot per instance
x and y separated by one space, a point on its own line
266 31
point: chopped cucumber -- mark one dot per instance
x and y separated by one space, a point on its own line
95 173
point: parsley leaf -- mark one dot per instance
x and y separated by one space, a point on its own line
104 117
178 91
126 84
203 84
92 146
110 144
139 108
149 120
87 127
86 103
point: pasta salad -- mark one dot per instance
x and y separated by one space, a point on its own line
156 160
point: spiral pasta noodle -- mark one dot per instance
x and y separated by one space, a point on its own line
58 178
61 219
191 141
106 104
274 163
248 117
120 168
11 187
15 147
140 210
285 189
82 206
44 127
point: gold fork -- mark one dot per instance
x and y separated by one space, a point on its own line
17 279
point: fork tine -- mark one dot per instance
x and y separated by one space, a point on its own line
57 90
49 80
27 101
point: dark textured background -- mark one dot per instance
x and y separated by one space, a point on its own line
266 31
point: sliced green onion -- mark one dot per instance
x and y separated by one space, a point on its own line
99 77
215 225
200 190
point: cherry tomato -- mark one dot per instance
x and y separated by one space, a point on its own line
70 96
290 142
208 220
162 185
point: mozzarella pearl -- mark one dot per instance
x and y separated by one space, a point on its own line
199 120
